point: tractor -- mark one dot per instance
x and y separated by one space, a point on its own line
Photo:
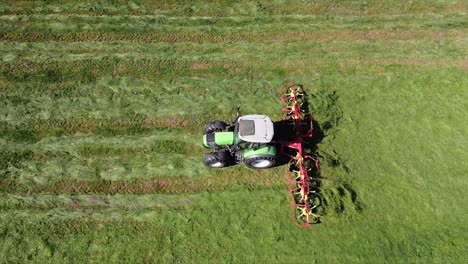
258 142
247 139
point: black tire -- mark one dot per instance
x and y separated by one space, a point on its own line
217 159
214 126
260 162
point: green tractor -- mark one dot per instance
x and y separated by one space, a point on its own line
247 139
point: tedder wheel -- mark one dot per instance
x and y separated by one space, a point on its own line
217 159
214 126
260 162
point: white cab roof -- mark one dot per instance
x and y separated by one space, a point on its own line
256 128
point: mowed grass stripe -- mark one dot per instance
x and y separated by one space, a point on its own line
51 50
211 52
89 71
121 126
262 37
74 202
81 146
129 106
222 180
162 24
32 167
21 131
221 9
176 105
92 140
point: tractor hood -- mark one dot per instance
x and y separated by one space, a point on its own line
255 128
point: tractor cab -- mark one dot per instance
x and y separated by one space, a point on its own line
255 128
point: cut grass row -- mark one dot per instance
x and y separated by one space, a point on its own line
129 105
79 202
109 109
223 8
29 167
46 156
161 24
261 37
88 71
202 55
44 51
40 129
222 180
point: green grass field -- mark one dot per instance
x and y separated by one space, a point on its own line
102 106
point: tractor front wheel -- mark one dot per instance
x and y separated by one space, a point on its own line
217 159
260 162
214 126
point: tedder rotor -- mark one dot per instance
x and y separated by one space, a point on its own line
257 142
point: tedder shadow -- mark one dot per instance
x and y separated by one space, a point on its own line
285 131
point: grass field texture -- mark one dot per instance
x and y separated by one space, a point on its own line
103 103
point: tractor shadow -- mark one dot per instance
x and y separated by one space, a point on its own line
284 131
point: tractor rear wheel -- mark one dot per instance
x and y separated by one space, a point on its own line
214 126
260 162
217 159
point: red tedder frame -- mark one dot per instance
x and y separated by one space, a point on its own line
298 171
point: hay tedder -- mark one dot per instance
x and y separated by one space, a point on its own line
259 143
